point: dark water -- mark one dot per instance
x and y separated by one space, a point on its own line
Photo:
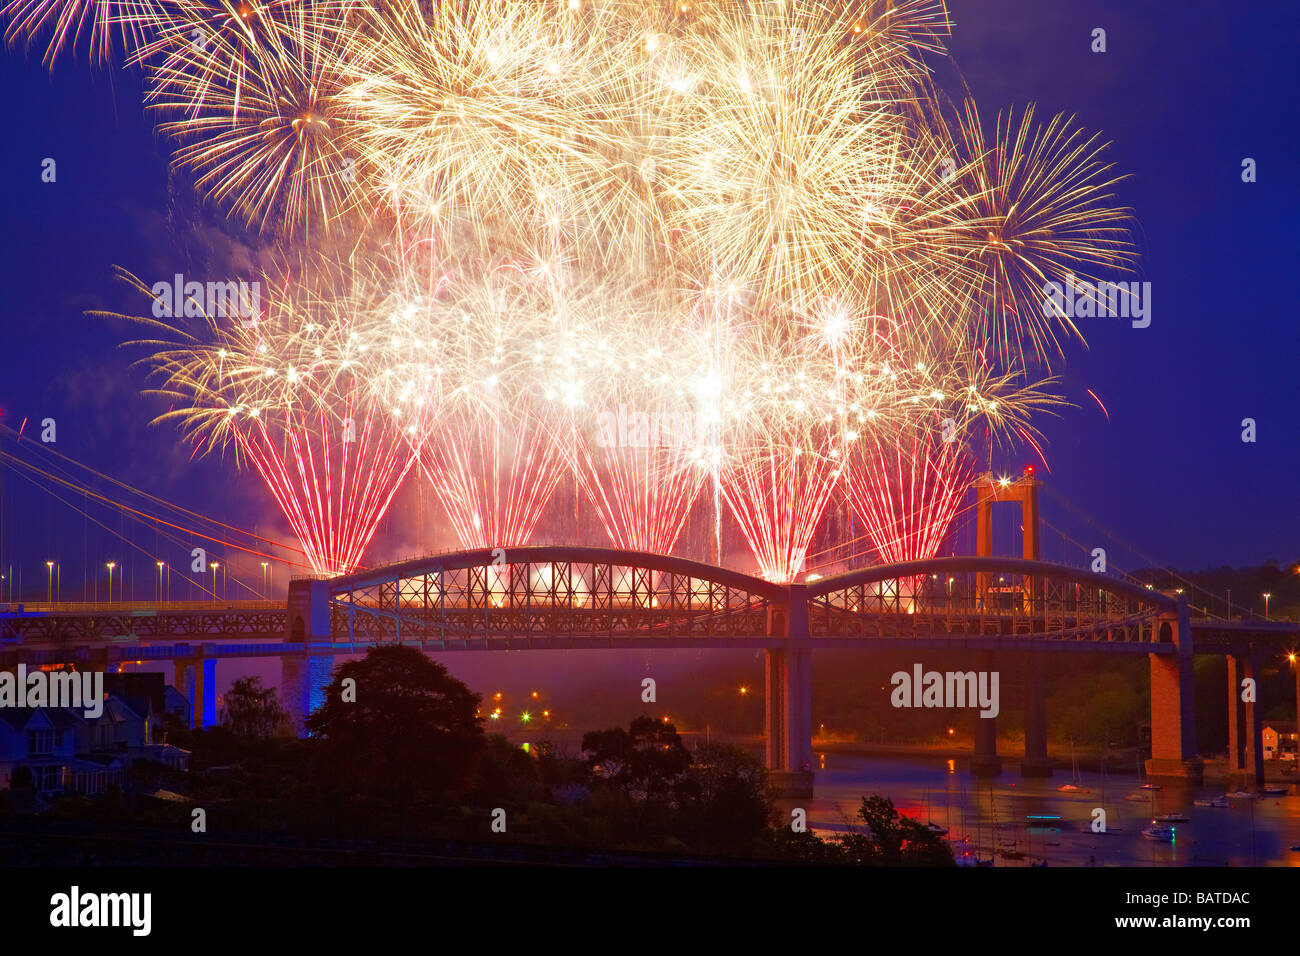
1252 832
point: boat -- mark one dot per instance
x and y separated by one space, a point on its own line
936 829
1220 802
1174 817
1275 791
1138 798
1295 848
1072 787
1241 795
1150 786
1159 832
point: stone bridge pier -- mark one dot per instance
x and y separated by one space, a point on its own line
788 686
1173 701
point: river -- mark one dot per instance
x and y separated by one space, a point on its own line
992 814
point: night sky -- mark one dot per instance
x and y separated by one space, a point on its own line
1185 92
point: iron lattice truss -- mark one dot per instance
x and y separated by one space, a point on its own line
72 628
980 603
548 604
561 597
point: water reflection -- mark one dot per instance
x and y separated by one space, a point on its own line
1021 821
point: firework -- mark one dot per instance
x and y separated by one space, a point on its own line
1042 211
286 392
67 21
573 223
251 96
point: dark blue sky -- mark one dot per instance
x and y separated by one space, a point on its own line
1185 91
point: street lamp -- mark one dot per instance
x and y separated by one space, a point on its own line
1267 595
160 583
111 565
265 590
50 566
214 580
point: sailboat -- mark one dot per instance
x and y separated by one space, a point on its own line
1072 787
930 824
1148 785
989 861
962 851
1110 828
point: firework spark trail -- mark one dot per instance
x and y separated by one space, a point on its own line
68 20
833 251
332 497
493 477
250 95
907 490
643 491
283 391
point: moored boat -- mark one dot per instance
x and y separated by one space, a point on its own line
1159 832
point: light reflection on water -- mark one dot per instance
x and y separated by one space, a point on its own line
991 814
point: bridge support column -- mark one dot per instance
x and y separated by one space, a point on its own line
303 679
196 678
1173 701
788 686
1254 729
1236 719
1036 762
986 762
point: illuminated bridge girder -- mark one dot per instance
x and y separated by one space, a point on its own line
551 597
596 597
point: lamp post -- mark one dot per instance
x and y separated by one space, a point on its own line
214 580
265 595
161 565
1267 595
111 565
50 598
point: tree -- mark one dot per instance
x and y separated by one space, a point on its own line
895 840
642 761
410 727
723 801
252 710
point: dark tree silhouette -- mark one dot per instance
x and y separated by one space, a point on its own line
252 710
642 761
412 728
895 840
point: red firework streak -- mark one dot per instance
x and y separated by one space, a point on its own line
333 479
906 489
493 474
778 493
641 486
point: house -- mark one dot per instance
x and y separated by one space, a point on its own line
60 750
1280 740
38 739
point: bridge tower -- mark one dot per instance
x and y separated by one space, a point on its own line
303 675
1023 492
